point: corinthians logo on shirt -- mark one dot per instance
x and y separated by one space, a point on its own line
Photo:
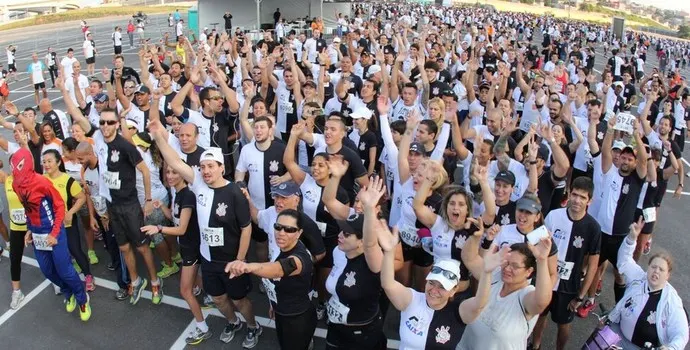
442 334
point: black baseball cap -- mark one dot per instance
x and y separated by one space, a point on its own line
506 176
417 147
286 189
142 89
354 224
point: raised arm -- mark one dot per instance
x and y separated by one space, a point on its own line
537 300
423 213
170 156
293 168
606 154
404 148
338 168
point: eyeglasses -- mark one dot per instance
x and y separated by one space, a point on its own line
215 98
287 229
109 122
447 274
513 266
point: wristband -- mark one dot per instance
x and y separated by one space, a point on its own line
149 200
532 162
579 300
486 244
538 106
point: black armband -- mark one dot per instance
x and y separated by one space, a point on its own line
486 244
475 188
289 266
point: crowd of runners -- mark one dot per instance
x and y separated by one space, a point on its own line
470 169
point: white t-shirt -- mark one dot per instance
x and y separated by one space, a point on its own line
117 39
88 49
36 71
83 85
66 64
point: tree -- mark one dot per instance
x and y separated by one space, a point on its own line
684 31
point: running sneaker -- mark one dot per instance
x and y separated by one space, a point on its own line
197 336
598 291
90 285
136 291
157 292
17 298
93 258
208 302
647 247
85 310
122 294
229 331
168 271
584 310
196 291
320 311
112 266
70 304
57 289
76 266
177 259
251 339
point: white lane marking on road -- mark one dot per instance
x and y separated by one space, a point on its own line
685 161
9 313
180 343
177 302
683 193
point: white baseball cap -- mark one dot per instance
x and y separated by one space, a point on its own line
446 272
213 153
373 69
361 112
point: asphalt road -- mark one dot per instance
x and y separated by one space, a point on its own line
42 323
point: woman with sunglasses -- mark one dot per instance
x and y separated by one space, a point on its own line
312 187
454 223
290 275
184 216
74 198
434 319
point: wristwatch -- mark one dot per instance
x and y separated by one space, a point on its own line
160 228
579 300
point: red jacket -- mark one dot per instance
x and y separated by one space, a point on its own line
130 28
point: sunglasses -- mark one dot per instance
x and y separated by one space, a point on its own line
287 229
109 122
445 273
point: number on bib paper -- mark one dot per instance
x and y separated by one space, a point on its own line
270 290
112 180
41 242
287 107
18 216
649 214
99 204
337 312
322 228
564 269
409 236
213 236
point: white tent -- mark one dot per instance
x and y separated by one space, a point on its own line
250 14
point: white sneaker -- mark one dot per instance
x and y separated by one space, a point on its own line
57 289
17 298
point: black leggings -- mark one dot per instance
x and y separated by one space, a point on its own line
16 253
74 245
53 73
295 332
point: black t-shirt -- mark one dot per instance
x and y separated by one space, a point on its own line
190 240
55 123
311 236
355 170
630 190
366 142
436 88
505 214
645 331
355 286
122 160
228 20
193 159
292 292
546 187
629 91
128 73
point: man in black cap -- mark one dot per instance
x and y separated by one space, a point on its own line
504 183
139 111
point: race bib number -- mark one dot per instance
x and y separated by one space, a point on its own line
409 235
322 227
270 290
649 214
112 180
287 107
519 106
99 204
213 236
564 269
624 122
337 312
41 242
18 216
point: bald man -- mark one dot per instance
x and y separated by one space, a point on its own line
186 144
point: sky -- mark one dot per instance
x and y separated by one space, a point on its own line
666 4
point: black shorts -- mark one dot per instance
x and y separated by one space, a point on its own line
680 139
91 60
609 248
560 314
330 243
190 256
217 282
11 68
126 222
40 86
258 234
418 256
369 336
648 227
117 49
